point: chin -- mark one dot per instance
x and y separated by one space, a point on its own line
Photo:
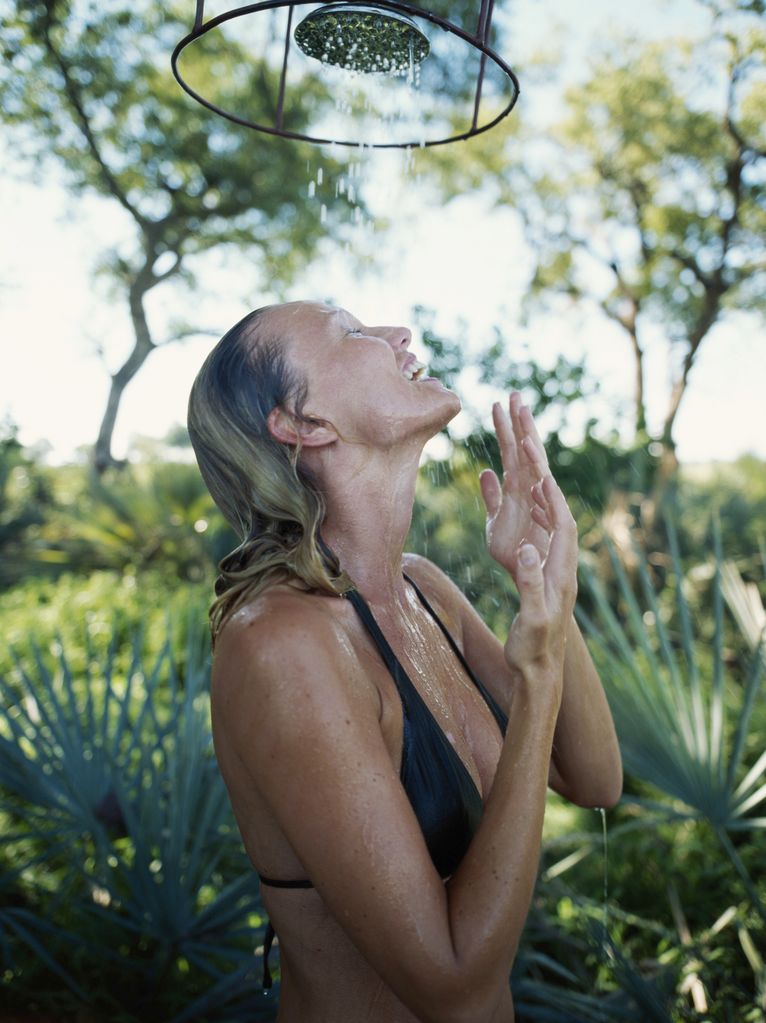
447 410
456 404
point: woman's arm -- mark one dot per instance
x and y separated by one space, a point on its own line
586 753
291 720
586 765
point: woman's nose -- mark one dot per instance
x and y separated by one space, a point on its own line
399 337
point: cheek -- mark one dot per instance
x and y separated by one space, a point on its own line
340 395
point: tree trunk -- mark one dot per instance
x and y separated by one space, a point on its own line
103 458
638 385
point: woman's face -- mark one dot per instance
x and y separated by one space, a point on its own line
362 379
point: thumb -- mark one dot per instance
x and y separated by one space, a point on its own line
491 491
529 579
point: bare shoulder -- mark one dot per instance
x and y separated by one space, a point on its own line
286 646
279 615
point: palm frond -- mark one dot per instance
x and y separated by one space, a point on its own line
109 779
682 716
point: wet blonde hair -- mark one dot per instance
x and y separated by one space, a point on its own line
269 499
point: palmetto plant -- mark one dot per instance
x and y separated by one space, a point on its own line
152 514
124 876
684 718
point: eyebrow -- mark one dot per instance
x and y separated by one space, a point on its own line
347 321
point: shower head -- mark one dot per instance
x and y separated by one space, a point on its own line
362 37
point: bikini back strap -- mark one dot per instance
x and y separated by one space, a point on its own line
275 882
268 937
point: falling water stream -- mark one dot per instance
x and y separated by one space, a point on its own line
605 938
376 106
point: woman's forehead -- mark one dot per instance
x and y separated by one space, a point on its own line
299 318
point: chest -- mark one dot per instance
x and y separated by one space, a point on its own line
447 697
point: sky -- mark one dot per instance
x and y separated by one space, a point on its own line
61 331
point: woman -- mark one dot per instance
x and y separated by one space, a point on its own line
362 711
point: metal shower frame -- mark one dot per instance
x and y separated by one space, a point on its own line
477 41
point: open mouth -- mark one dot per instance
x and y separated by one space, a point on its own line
414 370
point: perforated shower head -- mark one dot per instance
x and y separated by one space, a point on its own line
362 37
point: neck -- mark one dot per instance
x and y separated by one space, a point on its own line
369 510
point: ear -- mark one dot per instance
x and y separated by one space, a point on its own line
308 433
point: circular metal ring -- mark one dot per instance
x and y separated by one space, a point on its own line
488 57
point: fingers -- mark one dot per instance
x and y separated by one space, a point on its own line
506 438
536 456
556 504
516 432
561 563
491 492
514 407
526 437
540 518
528 431
539 510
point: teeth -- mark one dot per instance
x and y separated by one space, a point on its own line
414 370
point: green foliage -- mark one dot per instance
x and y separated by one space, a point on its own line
109 607
645 199
127 890
660 192
25 503
736 492
104 739
681 727
78 90
149 515
146 515
690 725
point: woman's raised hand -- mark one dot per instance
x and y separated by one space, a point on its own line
516 509
531 533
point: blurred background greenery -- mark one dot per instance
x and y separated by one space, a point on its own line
125 894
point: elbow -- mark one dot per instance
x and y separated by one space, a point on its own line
595 793
464 1002
613 783
614 793
603 794
607 798
601 786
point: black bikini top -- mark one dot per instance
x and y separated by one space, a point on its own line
443 795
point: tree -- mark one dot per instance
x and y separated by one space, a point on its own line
652 202
646 199
86 87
